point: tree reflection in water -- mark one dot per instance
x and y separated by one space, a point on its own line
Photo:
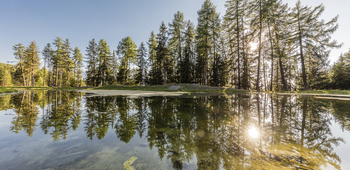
231 132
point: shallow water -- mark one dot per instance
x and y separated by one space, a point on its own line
68 130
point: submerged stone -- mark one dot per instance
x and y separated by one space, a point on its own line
175 88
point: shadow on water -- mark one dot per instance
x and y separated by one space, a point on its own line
258 131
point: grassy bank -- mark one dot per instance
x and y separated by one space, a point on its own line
186 88
6 90
48 88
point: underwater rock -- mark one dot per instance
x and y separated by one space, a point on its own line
175 88
129 162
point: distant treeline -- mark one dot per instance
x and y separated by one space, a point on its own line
257 44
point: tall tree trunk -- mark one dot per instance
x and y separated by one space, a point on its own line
33 82
280 54
20 108
258 76
303 121
302 56
24 80
56 76
49 83
238 52
180 63
282 75
271 42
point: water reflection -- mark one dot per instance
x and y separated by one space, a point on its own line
220 132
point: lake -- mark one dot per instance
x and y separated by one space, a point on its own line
72 130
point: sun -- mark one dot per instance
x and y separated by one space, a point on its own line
253 132
253 45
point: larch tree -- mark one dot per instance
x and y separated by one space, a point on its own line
68 62
127 50
78 63
57 57
233 17
19 55
92 62
141 77
152 45
204 39
188 63
32 60
162 56
176 29
47 54
312 34
104 74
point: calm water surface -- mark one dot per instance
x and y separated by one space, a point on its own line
70 130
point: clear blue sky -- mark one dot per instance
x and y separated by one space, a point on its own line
22 21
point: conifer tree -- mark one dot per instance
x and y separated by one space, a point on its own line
312 34
187 65
206 17
32 59
47 53
152 45
127 50
233 17
176 29
92 62
19 55
141 77
68 62
78 63
162 69
57 57
104 75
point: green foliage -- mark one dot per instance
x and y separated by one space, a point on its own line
92 62
340 73
142 74
127 50
104 73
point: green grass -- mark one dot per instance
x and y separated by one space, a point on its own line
186 88
6 90
47 88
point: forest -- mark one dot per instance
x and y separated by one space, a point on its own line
263 45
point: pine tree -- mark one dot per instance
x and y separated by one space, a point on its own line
92 62
57 57
47 53
78 63
312 34
19 55
206 22
234 14
68 62
127 50
187 65
32 59
162 66
141 77
152 45
176 29
104 75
